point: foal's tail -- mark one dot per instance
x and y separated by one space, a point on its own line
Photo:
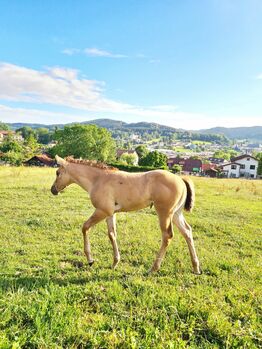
190 198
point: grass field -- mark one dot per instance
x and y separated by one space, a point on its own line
50 298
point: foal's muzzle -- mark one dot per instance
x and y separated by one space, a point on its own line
54 191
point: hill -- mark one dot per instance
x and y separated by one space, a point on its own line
252 133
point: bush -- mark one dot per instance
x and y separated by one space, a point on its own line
130 168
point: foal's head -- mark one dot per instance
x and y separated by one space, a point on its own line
63 178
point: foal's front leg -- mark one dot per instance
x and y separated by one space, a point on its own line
96 217
111 225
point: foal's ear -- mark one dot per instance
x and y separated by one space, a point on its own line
60 161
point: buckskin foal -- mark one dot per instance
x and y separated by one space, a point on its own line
114 191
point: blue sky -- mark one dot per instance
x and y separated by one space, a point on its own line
189 64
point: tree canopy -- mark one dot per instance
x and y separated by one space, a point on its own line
155 159
84 141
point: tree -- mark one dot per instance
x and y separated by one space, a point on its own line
142 151
154 159
4 127
12 151
43 135
85 141
128 159
10 144
259 158
176 168
25 131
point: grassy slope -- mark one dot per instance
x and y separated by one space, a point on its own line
49 298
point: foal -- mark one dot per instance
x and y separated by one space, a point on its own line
114 191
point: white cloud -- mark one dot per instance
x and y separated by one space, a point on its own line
95 52
259 77
71 51
66 88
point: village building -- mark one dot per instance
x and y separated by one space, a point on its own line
4 134
241 166
210 170
188 165
41 160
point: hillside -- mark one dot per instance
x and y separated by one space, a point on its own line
252 133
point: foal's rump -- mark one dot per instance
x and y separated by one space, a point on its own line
170 192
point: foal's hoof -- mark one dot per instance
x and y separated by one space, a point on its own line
91 263
198 272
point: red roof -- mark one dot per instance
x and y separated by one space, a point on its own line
206 167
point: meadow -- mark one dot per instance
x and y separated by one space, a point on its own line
51 298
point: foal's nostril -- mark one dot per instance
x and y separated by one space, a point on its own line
54 190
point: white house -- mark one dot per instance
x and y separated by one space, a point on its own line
241 166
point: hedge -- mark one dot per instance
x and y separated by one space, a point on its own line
132 168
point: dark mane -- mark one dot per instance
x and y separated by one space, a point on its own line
91 163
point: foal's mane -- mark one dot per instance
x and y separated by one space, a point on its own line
91 163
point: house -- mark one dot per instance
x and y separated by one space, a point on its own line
41 160
210 170
4 134
241 166
188 165
120 152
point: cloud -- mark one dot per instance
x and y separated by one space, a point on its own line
71 51
65 88
259 77
95 52
92 52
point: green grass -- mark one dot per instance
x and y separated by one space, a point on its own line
50 298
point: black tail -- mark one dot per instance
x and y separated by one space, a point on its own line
190 198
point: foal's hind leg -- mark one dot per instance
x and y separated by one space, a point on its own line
111 225
165 222
96 217
186 230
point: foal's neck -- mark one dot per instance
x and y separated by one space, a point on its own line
83 175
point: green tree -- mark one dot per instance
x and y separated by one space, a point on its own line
4 127
176 168
85 141
44 136
142 151
31 143
12 151
25 131
128 159
10 144
155 159
259 158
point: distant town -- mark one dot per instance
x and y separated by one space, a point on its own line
139 146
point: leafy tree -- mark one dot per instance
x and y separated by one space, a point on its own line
12 151
128 159
84 141
43 135
4 127
155 159
10 145
259 158
142 151
31 143
25 131
13 157
176 168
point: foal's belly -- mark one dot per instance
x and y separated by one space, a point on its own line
129 206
